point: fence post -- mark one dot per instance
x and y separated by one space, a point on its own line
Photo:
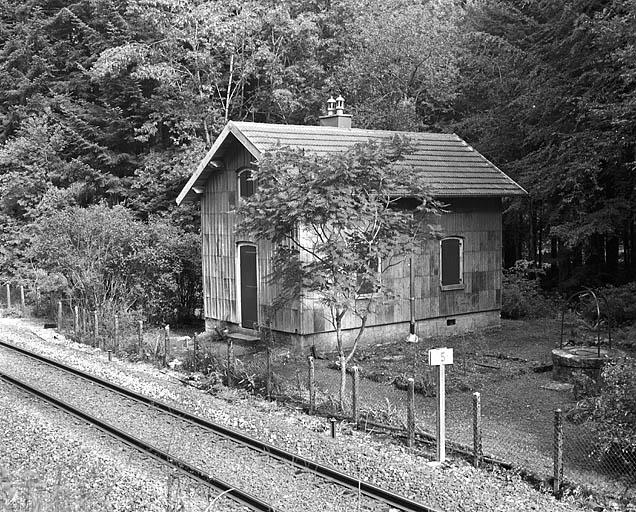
95 329
355 393
269 373
311 385
59 315
558 452
8 291
195 350
230 361
76 320
478 452
140 337
166 344
22 301
116 334
410 414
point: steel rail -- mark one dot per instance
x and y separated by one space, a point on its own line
231 492
367 489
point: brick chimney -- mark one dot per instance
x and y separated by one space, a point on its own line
335 114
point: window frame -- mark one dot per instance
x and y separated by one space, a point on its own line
455 286
363 295
239 173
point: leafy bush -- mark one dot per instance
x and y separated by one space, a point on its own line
613 414
105 258
521 294
620 303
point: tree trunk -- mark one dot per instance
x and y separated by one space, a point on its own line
342 360
597 251
343 380
611 257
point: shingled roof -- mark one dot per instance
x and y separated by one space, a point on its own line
452 167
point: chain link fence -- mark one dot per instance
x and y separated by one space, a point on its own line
512 423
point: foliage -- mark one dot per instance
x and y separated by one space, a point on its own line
331 219
548 94
620 303
402 69
613 414
521 295
110 260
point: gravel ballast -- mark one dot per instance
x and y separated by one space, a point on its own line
454 486
50 460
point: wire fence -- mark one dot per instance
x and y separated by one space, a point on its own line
512 422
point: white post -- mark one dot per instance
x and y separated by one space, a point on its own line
441 413
440 357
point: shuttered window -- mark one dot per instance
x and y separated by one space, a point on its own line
452 262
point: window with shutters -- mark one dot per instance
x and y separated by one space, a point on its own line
452 263
245 183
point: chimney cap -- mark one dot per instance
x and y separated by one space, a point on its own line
331 106
340 105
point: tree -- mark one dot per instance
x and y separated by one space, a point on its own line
547 93
338 223
401 70
104 258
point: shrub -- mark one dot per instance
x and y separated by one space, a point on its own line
620 303
103 257
521 294
613 414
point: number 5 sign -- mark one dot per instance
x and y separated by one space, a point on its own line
440 357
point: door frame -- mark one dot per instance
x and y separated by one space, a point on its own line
237 273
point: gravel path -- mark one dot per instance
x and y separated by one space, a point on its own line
455 486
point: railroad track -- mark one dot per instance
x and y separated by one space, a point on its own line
368 490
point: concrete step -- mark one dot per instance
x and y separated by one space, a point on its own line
239 336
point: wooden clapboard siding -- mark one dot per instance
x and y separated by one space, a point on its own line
478 222
220 245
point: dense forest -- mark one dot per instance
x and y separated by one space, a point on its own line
107 106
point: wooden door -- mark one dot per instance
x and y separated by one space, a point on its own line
248 286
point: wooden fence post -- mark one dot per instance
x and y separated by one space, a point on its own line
95 330
195 350
558 452
311 384
59 315
166 344
478 452
355 394
269 374
230 361
8 291
140 338
76 320
116 334
22 301
410 414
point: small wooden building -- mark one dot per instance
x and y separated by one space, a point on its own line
456 282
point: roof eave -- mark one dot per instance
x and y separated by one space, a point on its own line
201 175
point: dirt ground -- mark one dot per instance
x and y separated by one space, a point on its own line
509 366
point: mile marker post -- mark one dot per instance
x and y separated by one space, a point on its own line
440 357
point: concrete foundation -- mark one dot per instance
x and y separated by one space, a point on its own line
432 327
